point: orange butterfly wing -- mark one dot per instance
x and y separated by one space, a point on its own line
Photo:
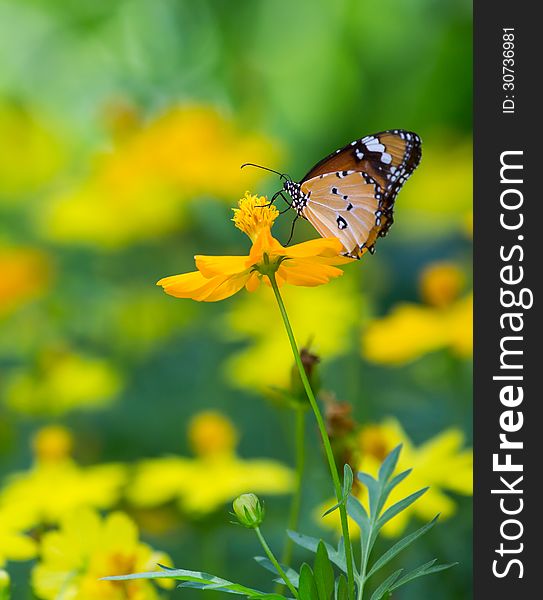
346 207
382 163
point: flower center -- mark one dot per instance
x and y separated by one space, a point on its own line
254 214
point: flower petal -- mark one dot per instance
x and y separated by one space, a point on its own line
329 247
188 285
210 266
197 287
308 272
226 287
253 282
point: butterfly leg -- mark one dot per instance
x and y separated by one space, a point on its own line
289 204
268 204
292 229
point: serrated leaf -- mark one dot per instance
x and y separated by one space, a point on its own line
307 590
267 564
426 569
397 508
389 465
341 588
386 586
323 573
399 546
311 544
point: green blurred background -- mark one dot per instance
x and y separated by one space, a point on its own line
122 128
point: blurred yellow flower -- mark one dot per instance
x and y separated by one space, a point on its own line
14 543
26 273
219 277
440 196
86 548
213 478
210 434
441 283
30 153
56 484
324 317
138 191
443 463
412 330
63 381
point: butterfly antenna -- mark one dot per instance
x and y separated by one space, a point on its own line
281 175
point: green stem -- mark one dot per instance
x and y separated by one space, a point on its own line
324 435
275 563
295 507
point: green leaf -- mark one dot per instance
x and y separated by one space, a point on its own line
386 586
374 491
195 579
392 511
388 487
332 509
341 588
269 566
311 544
359 515
348 479
307 590
398 479
399 546
425 569
323 573
389 464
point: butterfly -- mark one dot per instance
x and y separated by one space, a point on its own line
350 194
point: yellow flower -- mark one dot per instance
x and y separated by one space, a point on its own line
213 478
26 272
63 381
412 330
253 215
443 463
324 317
140 190
210 433
56 484
14 543
219 277
441 283
86 548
